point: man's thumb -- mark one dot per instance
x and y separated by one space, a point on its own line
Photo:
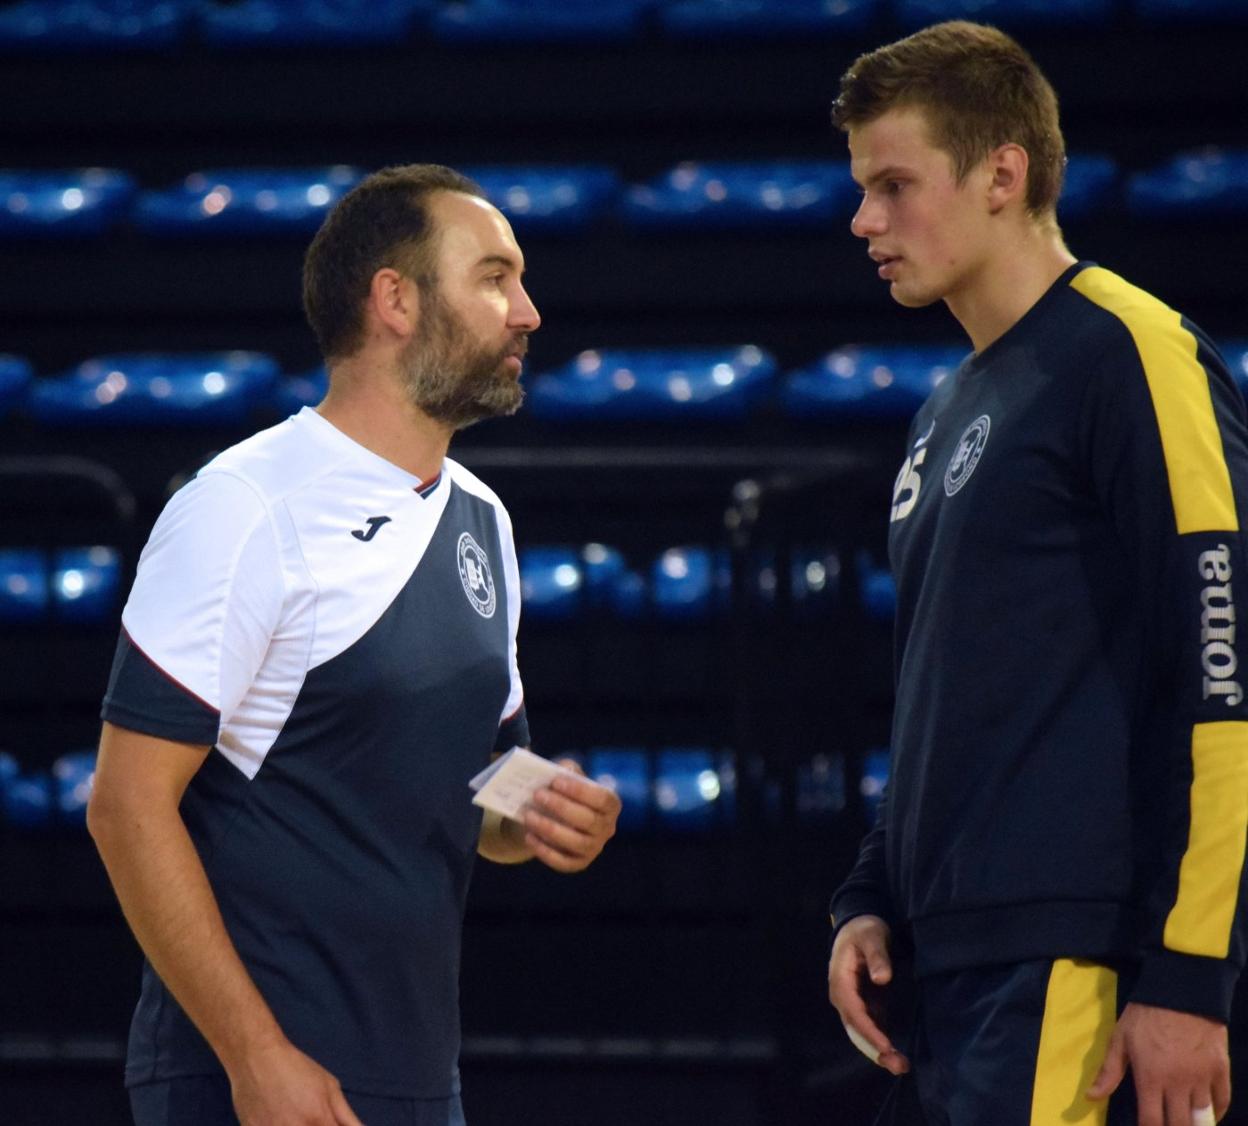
1112 1070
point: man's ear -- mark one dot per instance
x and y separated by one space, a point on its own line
394 301
1007 165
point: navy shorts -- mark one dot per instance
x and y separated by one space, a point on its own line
1013 1045
204 1100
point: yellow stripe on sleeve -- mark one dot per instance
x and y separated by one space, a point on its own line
1200 483
1080 1011
1204 912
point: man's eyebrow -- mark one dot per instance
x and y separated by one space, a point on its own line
500 260
890 172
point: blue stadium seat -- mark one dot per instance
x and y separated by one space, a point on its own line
539 21
1090 186
73 775
878 589
549 200
796 193
237 201
626 770
690 583
601 568
1191 11
820 786
1235 353
334 23
713 383
69 203
86 582
628 596
815 581
722 19
27 800
1198 185
870 382
688 788
23 585
218 388
1006 13
85 25
550 583
15 374
874 778
292 394
8 769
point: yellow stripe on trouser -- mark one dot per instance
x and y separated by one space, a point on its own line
1200 483
1204 912
1080 1010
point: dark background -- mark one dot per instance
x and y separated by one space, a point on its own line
682 977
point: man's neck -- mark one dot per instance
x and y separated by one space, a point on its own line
1020 271
370 407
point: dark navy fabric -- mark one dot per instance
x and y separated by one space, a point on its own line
1048 658
341 869
184 717
204 1100
975 1045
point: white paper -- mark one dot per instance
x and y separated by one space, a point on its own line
864 1045
508 784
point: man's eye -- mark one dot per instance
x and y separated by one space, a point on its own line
893 187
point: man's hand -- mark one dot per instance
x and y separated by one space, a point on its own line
570 821
280 1086
1179 1062
858 973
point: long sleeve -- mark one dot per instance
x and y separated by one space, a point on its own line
865 890
1164 437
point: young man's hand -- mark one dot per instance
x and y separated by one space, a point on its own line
1179 1061
858 973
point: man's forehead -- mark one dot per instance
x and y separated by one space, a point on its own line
472 228
898 137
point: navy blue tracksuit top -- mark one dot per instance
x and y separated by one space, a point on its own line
1070 739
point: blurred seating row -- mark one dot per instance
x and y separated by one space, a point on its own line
672 789
688 583
101 24
76 585
691 195
83 585
728 383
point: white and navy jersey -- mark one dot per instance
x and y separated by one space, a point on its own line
1070 737
343 636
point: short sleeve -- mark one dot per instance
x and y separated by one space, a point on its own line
205 603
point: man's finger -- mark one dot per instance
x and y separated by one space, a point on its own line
343 1114
1204 1115
597 797
1112 1070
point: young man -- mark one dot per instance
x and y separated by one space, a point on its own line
1063 839
318 653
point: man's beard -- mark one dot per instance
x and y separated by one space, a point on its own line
451 377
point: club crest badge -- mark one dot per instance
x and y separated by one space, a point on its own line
966 456
474 573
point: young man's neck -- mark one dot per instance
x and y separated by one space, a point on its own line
367 403
1022 267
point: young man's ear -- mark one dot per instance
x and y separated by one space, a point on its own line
1008 165
394 302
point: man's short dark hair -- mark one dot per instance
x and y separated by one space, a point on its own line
382 222
977 89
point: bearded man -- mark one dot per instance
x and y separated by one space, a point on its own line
318 653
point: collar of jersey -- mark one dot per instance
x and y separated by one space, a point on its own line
329 435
